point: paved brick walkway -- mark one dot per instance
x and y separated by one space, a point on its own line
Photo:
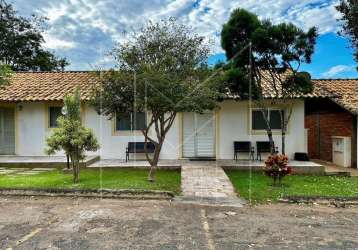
206 182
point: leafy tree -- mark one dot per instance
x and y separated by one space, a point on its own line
161 71
349 10
263 56
71 136
5 74
21 42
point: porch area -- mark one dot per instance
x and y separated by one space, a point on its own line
299 167
16 161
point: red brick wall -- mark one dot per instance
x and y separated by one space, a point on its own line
327 125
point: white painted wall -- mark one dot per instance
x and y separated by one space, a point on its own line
233 125
114 146
31 131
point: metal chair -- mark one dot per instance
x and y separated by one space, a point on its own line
263 147
243 147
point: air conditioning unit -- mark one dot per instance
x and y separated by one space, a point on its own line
341 151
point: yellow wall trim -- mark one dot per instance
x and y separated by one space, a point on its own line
47 106
251 131
216 114
125 132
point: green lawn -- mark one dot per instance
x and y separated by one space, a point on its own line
168 180
260 188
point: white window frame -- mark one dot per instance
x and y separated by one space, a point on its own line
131 124
269 110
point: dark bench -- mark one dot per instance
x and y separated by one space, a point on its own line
138 147
263 147
243 147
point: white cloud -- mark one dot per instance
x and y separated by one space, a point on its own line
336 70
55 14
325 18
96 25
52 42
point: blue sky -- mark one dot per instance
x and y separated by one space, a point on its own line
84 31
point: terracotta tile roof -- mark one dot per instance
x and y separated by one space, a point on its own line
53 86
345 92
269 91
47 86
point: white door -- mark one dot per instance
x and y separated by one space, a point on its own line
7 131
198 135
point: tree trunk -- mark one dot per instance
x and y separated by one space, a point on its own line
68 161
283 133
154 162
283 138
76 170
284 125
272 144
161 126
76 173
268 130
151 174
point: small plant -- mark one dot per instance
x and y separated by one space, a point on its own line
276 167
71 136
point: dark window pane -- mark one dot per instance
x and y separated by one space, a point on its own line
55 112
139 120
275 119
258 121
123 122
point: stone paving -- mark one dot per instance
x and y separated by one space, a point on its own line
207 184
205 181
23 171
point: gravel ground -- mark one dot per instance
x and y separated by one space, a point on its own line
66 223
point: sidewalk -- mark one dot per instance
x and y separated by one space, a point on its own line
208 184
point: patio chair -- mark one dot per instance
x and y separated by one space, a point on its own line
243 147
138 147
263 147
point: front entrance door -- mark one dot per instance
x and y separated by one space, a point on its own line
7 131
198 135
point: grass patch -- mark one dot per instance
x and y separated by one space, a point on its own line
168 180
262 190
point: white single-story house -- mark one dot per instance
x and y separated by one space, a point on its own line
30 105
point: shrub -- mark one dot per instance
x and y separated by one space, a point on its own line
276 167
71 136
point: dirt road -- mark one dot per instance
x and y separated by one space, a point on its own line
63 223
